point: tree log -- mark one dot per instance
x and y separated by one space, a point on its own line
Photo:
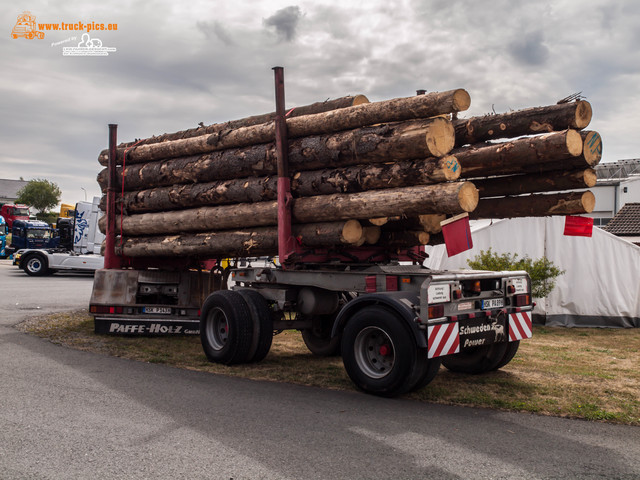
418 139
259 241
451 198
396 110
318 107
535 205
403 239
530 121
553 181
305 184
592 147
424 223
518 155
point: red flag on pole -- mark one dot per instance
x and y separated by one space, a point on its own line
578 226
457 234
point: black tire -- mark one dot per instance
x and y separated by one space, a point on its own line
378 351
35 265
262 325
318 338
429 371
226 327
476 360
512 349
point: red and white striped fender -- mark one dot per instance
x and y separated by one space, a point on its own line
519 326
443 339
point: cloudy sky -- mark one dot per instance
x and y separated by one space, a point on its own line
176 64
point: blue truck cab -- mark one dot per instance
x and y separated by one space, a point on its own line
3 238
32 234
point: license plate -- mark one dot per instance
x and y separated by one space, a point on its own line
492 303
160 310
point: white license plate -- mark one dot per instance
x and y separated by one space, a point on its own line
160 310
492 303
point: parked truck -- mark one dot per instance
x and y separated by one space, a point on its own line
393 320
3 238
76 247
12 212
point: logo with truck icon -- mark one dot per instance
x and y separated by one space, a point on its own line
26 27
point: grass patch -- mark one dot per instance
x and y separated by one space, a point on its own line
591 374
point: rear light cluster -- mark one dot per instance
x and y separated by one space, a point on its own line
522 300
105 309
436 311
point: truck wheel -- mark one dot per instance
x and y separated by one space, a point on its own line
426 371
476 360
262 325
226 327
35 265
318 338
378 351
512 349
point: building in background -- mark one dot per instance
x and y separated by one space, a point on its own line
618 184
626 223
9 190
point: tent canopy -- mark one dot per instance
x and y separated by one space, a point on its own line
601 283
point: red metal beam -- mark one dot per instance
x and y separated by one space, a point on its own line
111 260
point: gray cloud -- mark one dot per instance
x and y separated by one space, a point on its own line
285 21
530 49
215 30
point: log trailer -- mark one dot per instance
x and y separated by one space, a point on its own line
393 321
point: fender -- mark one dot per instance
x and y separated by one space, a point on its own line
399 302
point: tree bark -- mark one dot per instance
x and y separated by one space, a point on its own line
440 198
305 184
518 155
424 223
396 110
553 181
317 107
530 121
418 139
535 205
254 242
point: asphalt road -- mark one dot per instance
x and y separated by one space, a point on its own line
66 414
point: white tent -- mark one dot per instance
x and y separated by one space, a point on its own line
601 283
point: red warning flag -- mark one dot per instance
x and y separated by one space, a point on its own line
457 234
578 226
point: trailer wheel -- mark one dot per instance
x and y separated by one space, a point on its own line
378 351
226 327
35 265
318 338
476 360
262 325
512 349
426 371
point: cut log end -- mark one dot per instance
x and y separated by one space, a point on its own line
583 115
371 234
588 201
378 222
468 197
590 177
431 223
450 168
574 143
592 147
461 100
440 137
352 231
359 100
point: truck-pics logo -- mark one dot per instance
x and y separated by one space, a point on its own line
88 47
26 27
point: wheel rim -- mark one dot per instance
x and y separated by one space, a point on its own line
374 352
34 265
217 329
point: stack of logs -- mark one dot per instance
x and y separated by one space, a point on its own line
383 174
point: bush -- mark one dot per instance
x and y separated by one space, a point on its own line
542 271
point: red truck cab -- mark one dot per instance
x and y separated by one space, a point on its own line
12 212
